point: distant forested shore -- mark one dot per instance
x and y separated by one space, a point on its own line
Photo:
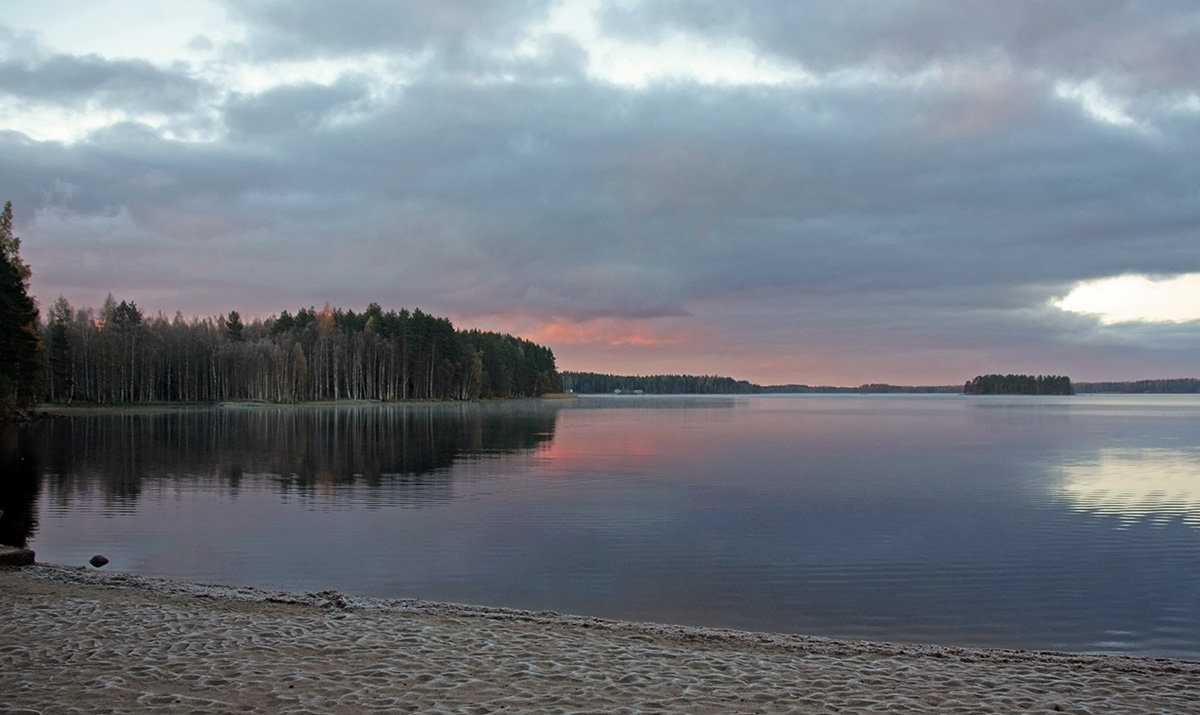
601 383
1061 385
1178 385
118 355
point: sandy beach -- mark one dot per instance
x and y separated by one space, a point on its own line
80 640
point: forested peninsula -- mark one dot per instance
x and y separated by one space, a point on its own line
118 355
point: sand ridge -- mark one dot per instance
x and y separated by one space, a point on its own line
78 640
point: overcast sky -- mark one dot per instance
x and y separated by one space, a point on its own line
816 192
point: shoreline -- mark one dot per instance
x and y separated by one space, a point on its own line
79 638
50 409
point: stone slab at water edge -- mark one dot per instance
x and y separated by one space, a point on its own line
15 556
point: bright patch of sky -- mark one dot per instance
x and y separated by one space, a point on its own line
259 77
51 123
1098 104
60 124
1136 298
161 32
675 57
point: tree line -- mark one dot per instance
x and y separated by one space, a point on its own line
118 355
1019 385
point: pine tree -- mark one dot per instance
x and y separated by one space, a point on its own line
234 327
20 345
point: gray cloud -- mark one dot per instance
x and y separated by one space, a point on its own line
454 29
75 81
293 108
1151 44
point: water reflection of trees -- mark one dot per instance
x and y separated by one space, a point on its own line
381 447
18 485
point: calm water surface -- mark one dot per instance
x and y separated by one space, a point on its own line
1048 523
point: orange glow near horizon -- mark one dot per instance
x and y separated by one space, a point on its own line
678 346
608 331
557 331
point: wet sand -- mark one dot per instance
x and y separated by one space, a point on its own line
80 640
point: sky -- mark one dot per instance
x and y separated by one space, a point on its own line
824 192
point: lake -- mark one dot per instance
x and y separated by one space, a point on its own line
1065 523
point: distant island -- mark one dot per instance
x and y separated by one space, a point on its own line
1019 385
